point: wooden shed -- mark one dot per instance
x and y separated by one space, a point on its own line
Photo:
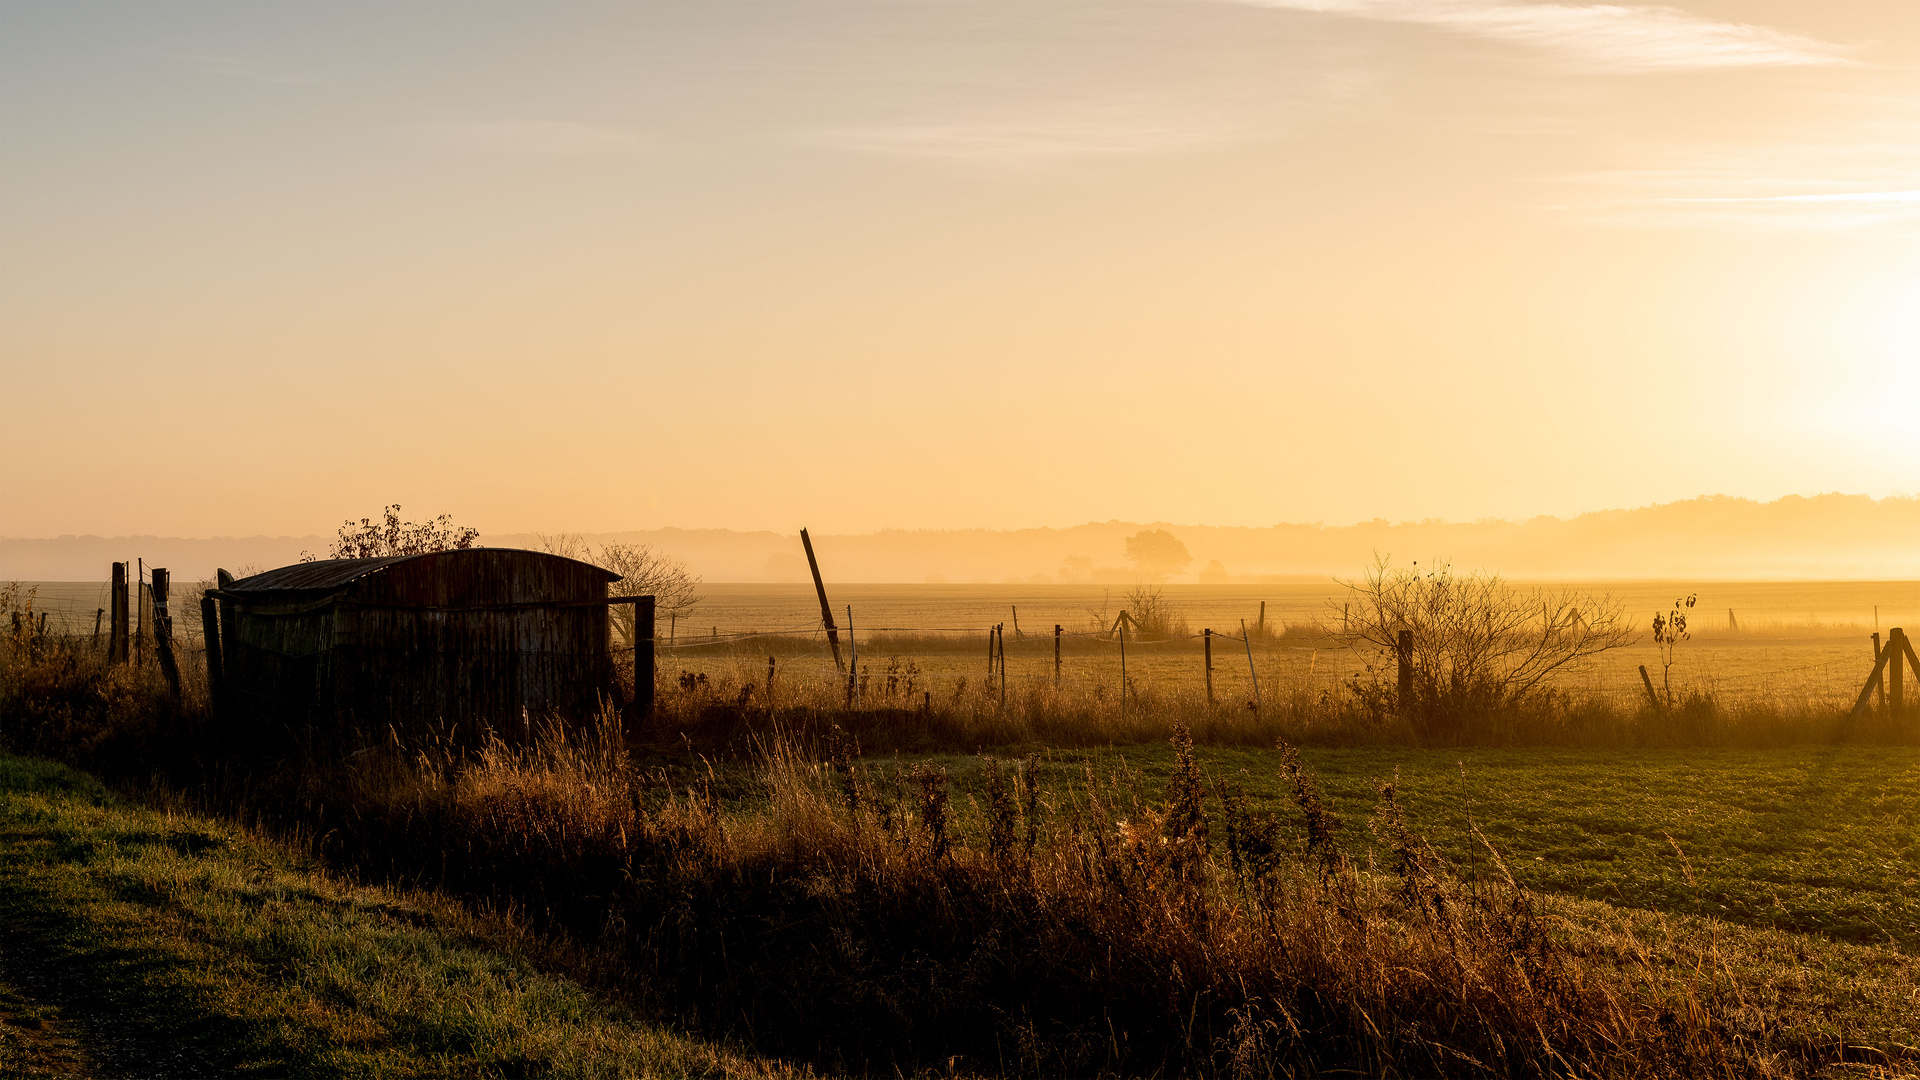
462 642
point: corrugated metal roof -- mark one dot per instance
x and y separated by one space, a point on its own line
328 574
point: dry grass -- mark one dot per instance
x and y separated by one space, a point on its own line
856 914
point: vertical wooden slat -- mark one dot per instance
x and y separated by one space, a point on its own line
216 673
643 659
118 629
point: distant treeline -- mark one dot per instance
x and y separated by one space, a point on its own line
1710 538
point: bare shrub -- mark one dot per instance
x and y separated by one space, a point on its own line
643 570
390 536
1151 616
1481 647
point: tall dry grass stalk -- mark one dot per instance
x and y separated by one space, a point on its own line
853 912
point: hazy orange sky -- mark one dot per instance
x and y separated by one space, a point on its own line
919 263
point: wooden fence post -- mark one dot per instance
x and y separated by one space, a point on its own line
1263 618
137 632
1003 664
1251 670
1906 649
117 629
1056 656
216 673
1123 667
826 609
643 665
163 630
1646 680
1403 649
1896 667
97 613
1876 667
1874 680
853 669
1206 638
991 632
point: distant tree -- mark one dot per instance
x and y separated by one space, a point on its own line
1157 553
643 570
370 539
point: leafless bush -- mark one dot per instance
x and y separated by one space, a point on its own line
1151 615
1481 647
643 570
390 536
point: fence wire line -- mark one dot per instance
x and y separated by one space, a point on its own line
70 609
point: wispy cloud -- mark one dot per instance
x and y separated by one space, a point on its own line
1606 37
1850 173
558 137
1830 197
1060 135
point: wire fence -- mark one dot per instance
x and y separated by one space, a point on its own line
1092 659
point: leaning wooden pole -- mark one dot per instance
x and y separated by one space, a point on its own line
1653 699
826 609
1251 670
1865 700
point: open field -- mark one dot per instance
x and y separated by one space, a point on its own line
1817 840
1044 884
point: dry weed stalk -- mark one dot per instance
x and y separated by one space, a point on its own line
853 913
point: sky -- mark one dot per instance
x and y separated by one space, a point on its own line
950 263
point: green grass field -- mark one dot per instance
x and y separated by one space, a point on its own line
139 943
1821 841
